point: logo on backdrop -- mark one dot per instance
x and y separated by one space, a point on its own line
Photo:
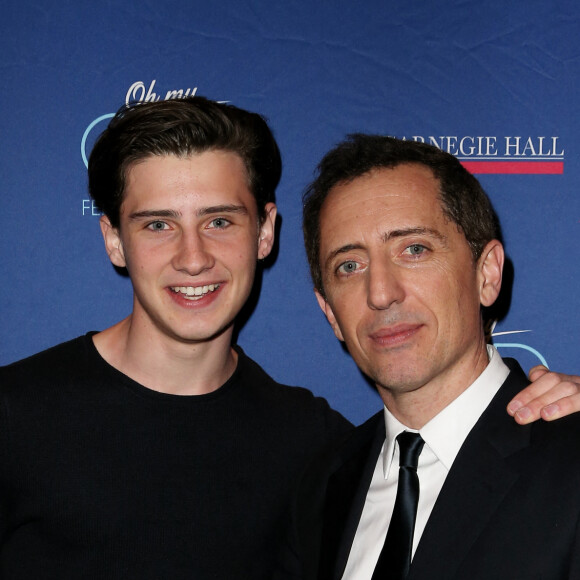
519 345
508 154
138 92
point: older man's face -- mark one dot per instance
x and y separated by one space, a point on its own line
402 288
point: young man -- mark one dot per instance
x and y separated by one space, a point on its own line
156 448
404 252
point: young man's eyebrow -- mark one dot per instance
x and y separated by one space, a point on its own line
154 213
169 213
226 208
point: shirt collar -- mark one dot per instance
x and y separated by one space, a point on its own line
445 433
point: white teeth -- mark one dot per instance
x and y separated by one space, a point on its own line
194 292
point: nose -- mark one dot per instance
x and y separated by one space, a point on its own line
385 286
192 256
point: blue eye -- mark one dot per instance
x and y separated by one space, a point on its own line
219 223
348 267
416 249
157 226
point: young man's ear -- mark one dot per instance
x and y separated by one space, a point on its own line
267 232
489 271
113 242
326 308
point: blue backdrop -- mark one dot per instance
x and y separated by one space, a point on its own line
493 82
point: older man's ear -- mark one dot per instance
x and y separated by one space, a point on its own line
489 271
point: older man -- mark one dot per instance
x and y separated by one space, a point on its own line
404 252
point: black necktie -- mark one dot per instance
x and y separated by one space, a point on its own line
395 559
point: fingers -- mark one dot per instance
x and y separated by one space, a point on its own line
537 372
550 396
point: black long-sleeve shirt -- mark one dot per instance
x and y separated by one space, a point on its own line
103 478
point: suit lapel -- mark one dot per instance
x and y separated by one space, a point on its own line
345 496
479 479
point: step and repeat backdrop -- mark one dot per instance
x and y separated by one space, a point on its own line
493 82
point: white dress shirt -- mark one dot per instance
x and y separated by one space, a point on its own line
443 435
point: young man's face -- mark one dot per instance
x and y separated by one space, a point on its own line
189 237
401 286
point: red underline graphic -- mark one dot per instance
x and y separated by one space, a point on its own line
521 167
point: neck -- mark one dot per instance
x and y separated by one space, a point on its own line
167 365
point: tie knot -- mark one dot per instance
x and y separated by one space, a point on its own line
410 446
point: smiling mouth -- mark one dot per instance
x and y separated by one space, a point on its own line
194 292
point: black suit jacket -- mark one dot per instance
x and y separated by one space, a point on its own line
509 508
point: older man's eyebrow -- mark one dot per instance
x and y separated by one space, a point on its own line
342 250
386 237
414 232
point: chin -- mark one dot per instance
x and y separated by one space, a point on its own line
400 377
